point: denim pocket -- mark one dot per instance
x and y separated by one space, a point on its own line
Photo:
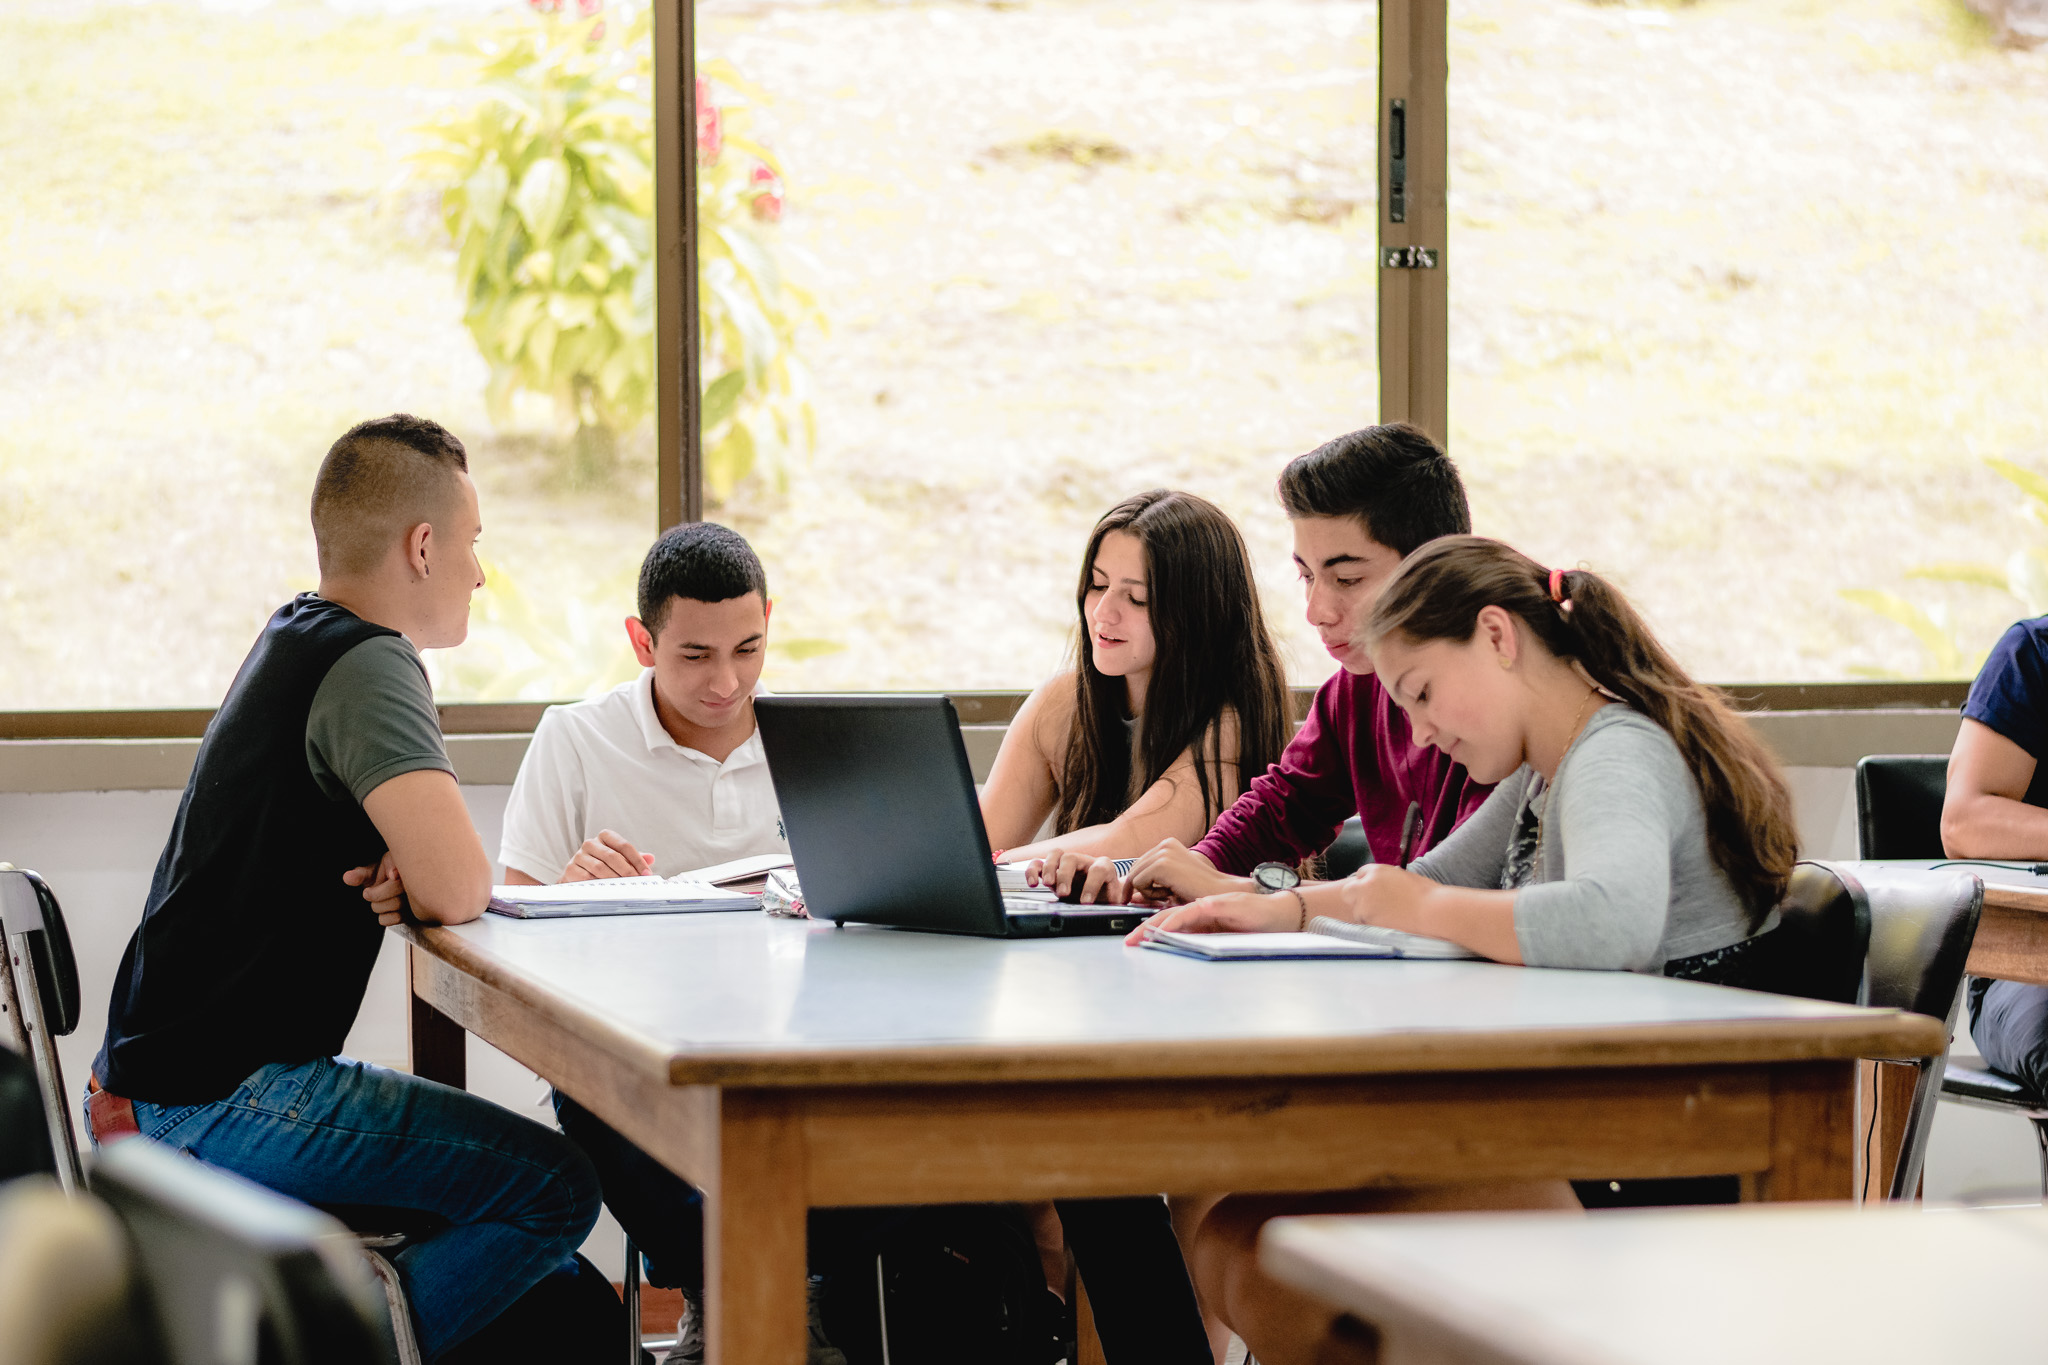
163 1122
277 1089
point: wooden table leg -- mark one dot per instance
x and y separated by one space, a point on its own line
439 1045
1813 1134
754 1264
1884 1104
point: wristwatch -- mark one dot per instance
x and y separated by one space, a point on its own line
1273 878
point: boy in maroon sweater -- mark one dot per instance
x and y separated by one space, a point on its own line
1358 504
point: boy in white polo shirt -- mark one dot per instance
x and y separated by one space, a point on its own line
663 774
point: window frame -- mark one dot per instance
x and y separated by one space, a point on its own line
1413 347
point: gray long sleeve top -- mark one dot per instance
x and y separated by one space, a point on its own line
1625 880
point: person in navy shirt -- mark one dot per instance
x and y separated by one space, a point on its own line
1997 807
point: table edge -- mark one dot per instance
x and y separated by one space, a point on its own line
1869 1033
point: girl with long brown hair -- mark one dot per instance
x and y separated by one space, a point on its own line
1175 701
1637 826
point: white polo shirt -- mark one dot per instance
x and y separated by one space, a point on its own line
607 763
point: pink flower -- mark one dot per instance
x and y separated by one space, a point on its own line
586 8
767 201
710 126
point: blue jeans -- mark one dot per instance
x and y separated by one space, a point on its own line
518 1196
2009 1020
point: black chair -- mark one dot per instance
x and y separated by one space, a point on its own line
1348 852
41 988
41 991
1989 1089
235 1272
1898 815
1815 952
1898 805
1921 927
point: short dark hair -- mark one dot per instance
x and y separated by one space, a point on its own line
1392 477
702 561
381 477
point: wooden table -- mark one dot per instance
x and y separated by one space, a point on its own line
1882 1285
783 1064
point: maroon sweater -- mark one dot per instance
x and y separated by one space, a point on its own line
1352 756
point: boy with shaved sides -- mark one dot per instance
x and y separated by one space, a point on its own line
321 806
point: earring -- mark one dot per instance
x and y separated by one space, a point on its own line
1505 661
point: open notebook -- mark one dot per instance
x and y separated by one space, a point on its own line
1326 938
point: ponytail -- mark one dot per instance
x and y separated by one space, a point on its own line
1437 594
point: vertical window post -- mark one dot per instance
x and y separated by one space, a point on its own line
678 432
1414 295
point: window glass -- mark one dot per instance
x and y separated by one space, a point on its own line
223 247
1747 300
973 271
1062 251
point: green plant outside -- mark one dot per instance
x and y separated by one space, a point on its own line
547 190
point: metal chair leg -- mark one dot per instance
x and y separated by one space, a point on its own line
2041 1137
632 1302
404 1341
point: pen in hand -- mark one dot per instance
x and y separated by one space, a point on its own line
1411 823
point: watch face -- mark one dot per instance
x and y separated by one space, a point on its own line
1275 876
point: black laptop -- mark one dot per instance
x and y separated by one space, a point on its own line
878 802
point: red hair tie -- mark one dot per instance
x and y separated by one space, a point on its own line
1557 586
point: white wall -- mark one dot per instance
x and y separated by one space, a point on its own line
99 848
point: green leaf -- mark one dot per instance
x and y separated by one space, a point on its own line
484 195
2032 484
543 192
540 346
731 460
1980 575
721 399
1946 656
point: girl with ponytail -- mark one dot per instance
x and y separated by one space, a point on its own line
1638 826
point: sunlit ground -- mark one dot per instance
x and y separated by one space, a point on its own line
1743 293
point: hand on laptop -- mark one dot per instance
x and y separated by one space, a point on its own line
1172 872
608 855
1077 877
382 888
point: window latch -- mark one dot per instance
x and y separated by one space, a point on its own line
1397 161
1409 258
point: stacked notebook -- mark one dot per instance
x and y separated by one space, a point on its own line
708 888
1326 938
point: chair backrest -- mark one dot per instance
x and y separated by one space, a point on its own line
29 911
1816 950
24 1132
1348 852
235 1272
1825 918
1921 927
1898 805
43 984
